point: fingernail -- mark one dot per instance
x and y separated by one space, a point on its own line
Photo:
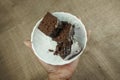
27 43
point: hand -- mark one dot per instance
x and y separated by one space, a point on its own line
63 72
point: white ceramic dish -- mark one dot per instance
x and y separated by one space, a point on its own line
40 45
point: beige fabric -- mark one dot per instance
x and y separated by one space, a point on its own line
101 59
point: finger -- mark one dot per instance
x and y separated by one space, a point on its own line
48 67
79 17
75 63
28 43
88 34
72 64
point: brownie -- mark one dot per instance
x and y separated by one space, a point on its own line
59 31
48 23
63 39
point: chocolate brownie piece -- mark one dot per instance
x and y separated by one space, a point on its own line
48 23
63 39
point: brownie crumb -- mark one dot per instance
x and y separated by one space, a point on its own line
51 50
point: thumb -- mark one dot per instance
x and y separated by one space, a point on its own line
88 34
28 43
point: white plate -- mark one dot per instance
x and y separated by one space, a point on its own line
41 45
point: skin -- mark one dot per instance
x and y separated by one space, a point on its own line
63 72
